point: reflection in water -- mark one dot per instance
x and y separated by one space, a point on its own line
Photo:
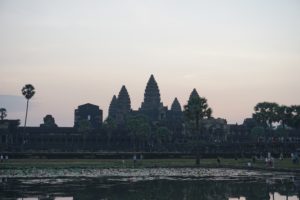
276 195
177 188
55 198
29 198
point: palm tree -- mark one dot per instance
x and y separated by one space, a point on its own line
195 111
2 113
28 92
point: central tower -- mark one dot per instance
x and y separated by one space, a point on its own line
152 106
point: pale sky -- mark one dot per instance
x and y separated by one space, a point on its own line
236 53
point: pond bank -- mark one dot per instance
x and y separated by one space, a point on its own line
145 173
279 165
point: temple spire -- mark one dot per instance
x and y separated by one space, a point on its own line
124 103
113 107
194 94
176 107
151 106
151 95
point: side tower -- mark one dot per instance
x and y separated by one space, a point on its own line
175 117
123 105
175 114
113 108
152 106
176 107
120 106
194 94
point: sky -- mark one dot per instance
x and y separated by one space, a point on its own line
235 53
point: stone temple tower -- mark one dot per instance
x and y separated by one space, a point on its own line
113 108
175 114
176 107
175 117
124 103
120 106
152 106
194 94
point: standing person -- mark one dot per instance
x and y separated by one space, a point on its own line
253 159
293 158
218 160
1 157
134 160
281 156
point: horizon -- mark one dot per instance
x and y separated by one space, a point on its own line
235 54
21 100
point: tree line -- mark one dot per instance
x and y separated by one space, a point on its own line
142 132
266 114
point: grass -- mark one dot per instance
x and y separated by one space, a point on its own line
285 164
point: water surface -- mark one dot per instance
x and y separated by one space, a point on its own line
177 184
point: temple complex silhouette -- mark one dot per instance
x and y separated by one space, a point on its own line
151 107
155 127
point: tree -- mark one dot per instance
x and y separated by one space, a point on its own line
266 114
139 130
284 115
249 123
295 121
195 111
2 113
28 92
162 135
257 132
109 127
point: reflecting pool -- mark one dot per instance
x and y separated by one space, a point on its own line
177 184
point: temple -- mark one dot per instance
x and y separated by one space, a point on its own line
152 127
151 107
